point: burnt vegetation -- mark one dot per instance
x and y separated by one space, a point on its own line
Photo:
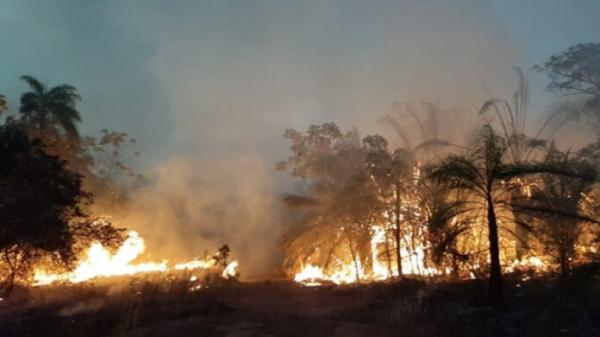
416 234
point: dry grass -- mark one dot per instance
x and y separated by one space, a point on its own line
159 307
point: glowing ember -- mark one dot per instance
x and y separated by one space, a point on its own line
99 262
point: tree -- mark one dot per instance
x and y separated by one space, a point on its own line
511 115
341 204
392 174
41 216
417 128
109 169
567 200
48 112
486 176
576 72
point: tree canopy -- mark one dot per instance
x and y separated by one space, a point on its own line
41 201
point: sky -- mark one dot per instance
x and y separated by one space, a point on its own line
204 76
208 87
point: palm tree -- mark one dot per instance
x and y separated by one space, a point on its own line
511 117
44 109
488 178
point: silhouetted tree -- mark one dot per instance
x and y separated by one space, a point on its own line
575 72
40 207
46 110
511 115
560 202
488 178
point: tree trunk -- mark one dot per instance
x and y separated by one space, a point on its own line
397 233
10 280
354 260
521 234
565 268
388 254
495 281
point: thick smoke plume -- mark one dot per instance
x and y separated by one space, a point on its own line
192 207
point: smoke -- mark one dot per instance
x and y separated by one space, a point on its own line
192 207
235 77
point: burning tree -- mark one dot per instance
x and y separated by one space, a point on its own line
41 217
562 206
511 119
365 216
342 204
488 179
415 200
392 175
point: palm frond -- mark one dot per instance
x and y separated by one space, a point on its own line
36 85
457 172
521 169
436 143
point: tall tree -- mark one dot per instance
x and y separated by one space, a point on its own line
47 112
511 117
393 175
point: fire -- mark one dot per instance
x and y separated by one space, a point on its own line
310 275
345 266
99 262
346 271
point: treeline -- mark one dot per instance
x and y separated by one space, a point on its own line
463 210
55 182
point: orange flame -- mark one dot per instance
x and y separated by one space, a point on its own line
99 262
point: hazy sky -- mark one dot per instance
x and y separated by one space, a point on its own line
199 77
208 87
203 76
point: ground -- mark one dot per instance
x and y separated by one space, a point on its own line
537 307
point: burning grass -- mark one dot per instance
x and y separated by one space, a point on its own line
100 263
161 304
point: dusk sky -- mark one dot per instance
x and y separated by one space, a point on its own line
204 77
